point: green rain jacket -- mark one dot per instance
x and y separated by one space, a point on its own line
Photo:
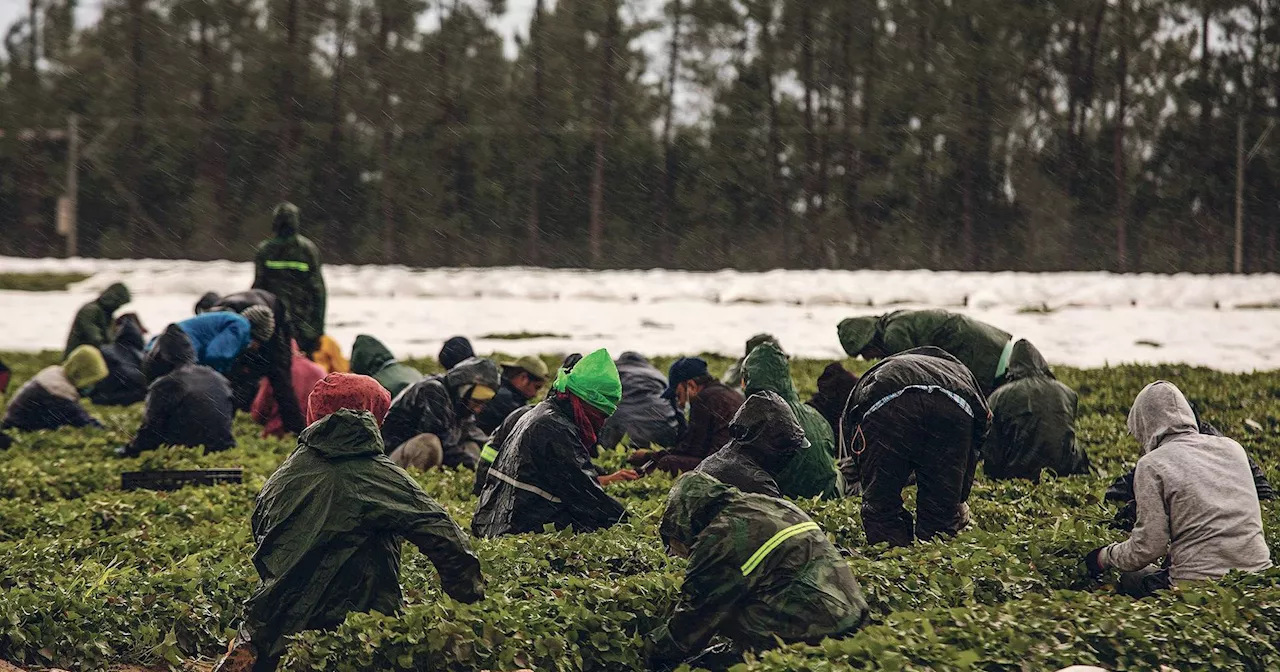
288 266
92 325
369 357
329 524
976 344
759 570
1033 422
812 472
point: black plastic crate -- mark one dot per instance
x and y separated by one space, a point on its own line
172 480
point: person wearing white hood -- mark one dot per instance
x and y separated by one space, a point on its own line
1197 504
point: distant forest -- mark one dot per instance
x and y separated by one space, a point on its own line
753 134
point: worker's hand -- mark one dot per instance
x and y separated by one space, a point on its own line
1092 562
619 475
639 457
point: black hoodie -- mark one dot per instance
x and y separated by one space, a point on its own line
187 404
125 383
1033 422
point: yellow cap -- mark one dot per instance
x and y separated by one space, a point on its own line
482 393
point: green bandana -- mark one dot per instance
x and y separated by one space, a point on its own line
594 380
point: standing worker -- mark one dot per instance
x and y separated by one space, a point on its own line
981 347
288 266
92 325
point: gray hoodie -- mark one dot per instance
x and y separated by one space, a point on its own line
1196 498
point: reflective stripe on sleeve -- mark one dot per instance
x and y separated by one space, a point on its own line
774 542
489 453
523 486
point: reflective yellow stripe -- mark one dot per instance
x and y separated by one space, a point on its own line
287 265
489 454
774 542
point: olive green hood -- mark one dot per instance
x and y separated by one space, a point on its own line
369 355
345 433
286 219
113 297
767 369
694 501
1026 362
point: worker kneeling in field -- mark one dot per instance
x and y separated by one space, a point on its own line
765 439
543 473
426 419
1197 503
711 405
919 412
1033 422
187 404
125 383
369 357
500 435
812 472
759 571
644 414
329 524
981 347
51 399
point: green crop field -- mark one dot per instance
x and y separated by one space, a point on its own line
92 577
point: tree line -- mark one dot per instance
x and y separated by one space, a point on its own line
982 135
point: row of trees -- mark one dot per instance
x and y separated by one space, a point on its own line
983 135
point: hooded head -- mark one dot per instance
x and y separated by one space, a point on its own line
694 501
114 296
369 355
837 382
85 367
285 219
349 391
454 351
207 302
1159 413
594 380
344 434
856 333
759 340
474 378
129 332
172 350
1026 362
766 428
767 369
262 322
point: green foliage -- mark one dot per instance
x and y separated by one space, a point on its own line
94 577
39 282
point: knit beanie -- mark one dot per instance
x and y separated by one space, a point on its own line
351 391
262 323
454 351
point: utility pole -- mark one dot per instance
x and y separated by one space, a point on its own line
73 185
1239 249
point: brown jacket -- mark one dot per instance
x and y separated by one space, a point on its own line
709 416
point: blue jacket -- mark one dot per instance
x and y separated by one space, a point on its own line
218 338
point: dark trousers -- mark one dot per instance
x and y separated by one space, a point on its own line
929 434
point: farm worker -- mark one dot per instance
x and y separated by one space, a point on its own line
51 399
329 524
766 438
206 302
305 374
499 437
187 404
835 384
760 571
437 406
125 384
981 347
288 265
369 357
1197 504
733 376
220 336
812 472
643 414
1033 422
919 412
454 351
273 360
543 474
711 406
522 380
328 355
92 324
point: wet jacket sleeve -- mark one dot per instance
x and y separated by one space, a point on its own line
1150 539
575 484
225 346
713 585
76 415
280 375
320 293
160 404
407 510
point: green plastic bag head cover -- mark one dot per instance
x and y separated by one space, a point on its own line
594 380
